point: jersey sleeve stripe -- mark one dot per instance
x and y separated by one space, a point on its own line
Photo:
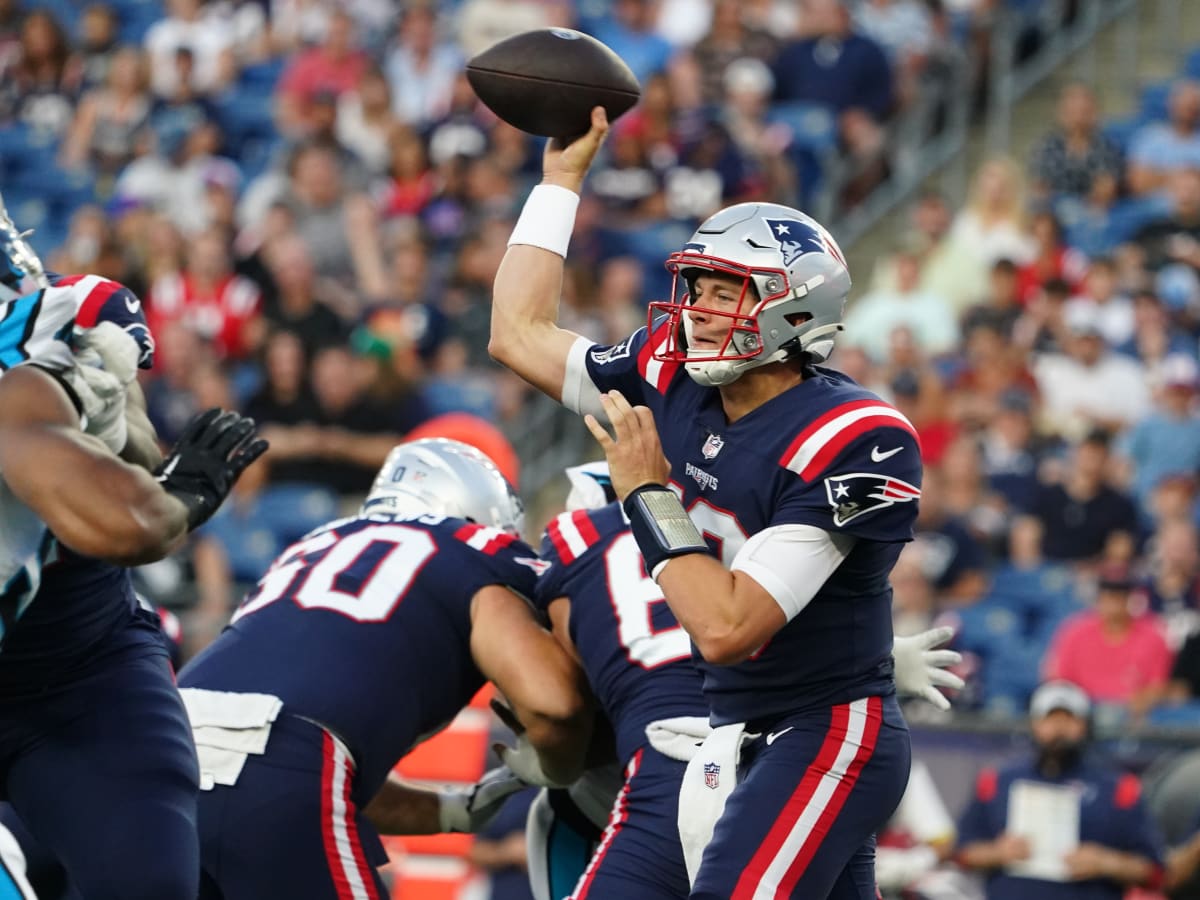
816 452
820 422
571 534
96 291
658 374
484 539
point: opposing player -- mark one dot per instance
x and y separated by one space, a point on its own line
770 525
364 638
95 754
611 614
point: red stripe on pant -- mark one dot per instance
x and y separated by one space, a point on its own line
802 798
615 822
335 815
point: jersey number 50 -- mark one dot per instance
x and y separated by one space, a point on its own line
362 575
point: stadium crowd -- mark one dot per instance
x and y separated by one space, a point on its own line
312 205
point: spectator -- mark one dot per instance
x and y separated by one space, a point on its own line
98 43
1000 308
916 839
331 69
1166 442
1089 386
730 38
421 68
1083 517
303 306
951 559
929 318
1159 149
1053 259
190 26
1071 157
748 86
209 299
1117 844
1172 583
904 29
1011 450
109 121
629 31
365 121
1115 657
1174 239
42 85
992 226
991 367
1041 328
1184 683
285 401
1101 301
835 67
337 223
410 183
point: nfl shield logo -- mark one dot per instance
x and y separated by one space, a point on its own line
712 776
712 446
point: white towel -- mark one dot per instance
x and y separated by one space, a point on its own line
227 727
679 738
227 709
707 783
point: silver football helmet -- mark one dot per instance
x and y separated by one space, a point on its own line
19 260
794 287
446 478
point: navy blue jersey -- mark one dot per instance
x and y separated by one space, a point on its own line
637 657
1111 813
826 453
364 626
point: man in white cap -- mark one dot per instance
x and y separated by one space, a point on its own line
1058 823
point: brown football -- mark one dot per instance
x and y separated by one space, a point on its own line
547 81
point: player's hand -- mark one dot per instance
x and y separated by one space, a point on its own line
202 467
566 165
471 810
105 362
920 670
634 451
522 760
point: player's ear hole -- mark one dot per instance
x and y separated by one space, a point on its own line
798 318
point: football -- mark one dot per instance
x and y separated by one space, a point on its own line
547 81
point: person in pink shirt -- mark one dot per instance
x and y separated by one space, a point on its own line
1112 655
332 68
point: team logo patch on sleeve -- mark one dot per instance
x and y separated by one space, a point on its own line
861 492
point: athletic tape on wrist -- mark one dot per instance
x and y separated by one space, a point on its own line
547 219
661 526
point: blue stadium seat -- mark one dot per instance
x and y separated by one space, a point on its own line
1191 66
245 113
1185 714
290 511
1120 131
262 75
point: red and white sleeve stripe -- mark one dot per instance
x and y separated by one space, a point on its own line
658 374
821 441
571 534
485 539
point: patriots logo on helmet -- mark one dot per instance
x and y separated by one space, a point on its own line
858 493
797 238
712 776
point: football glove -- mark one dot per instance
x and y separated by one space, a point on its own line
522 760
470 810
202 467
920 669
105 362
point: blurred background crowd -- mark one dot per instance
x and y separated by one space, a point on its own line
312 205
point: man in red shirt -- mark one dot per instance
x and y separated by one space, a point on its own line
334 67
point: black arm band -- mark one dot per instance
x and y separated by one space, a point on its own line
661 526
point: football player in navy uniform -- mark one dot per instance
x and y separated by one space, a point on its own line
362 639
612 616
95 750
770 498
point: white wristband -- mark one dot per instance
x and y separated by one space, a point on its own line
547 219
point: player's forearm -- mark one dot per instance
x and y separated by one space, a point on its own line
726 621
141 444
398 808
981 855
561 744
1129 868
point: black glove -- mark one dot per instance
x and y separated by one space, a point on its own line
202 467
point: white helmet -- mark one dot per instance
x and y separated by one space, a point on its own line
591 486
795 277
19 262
446 478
